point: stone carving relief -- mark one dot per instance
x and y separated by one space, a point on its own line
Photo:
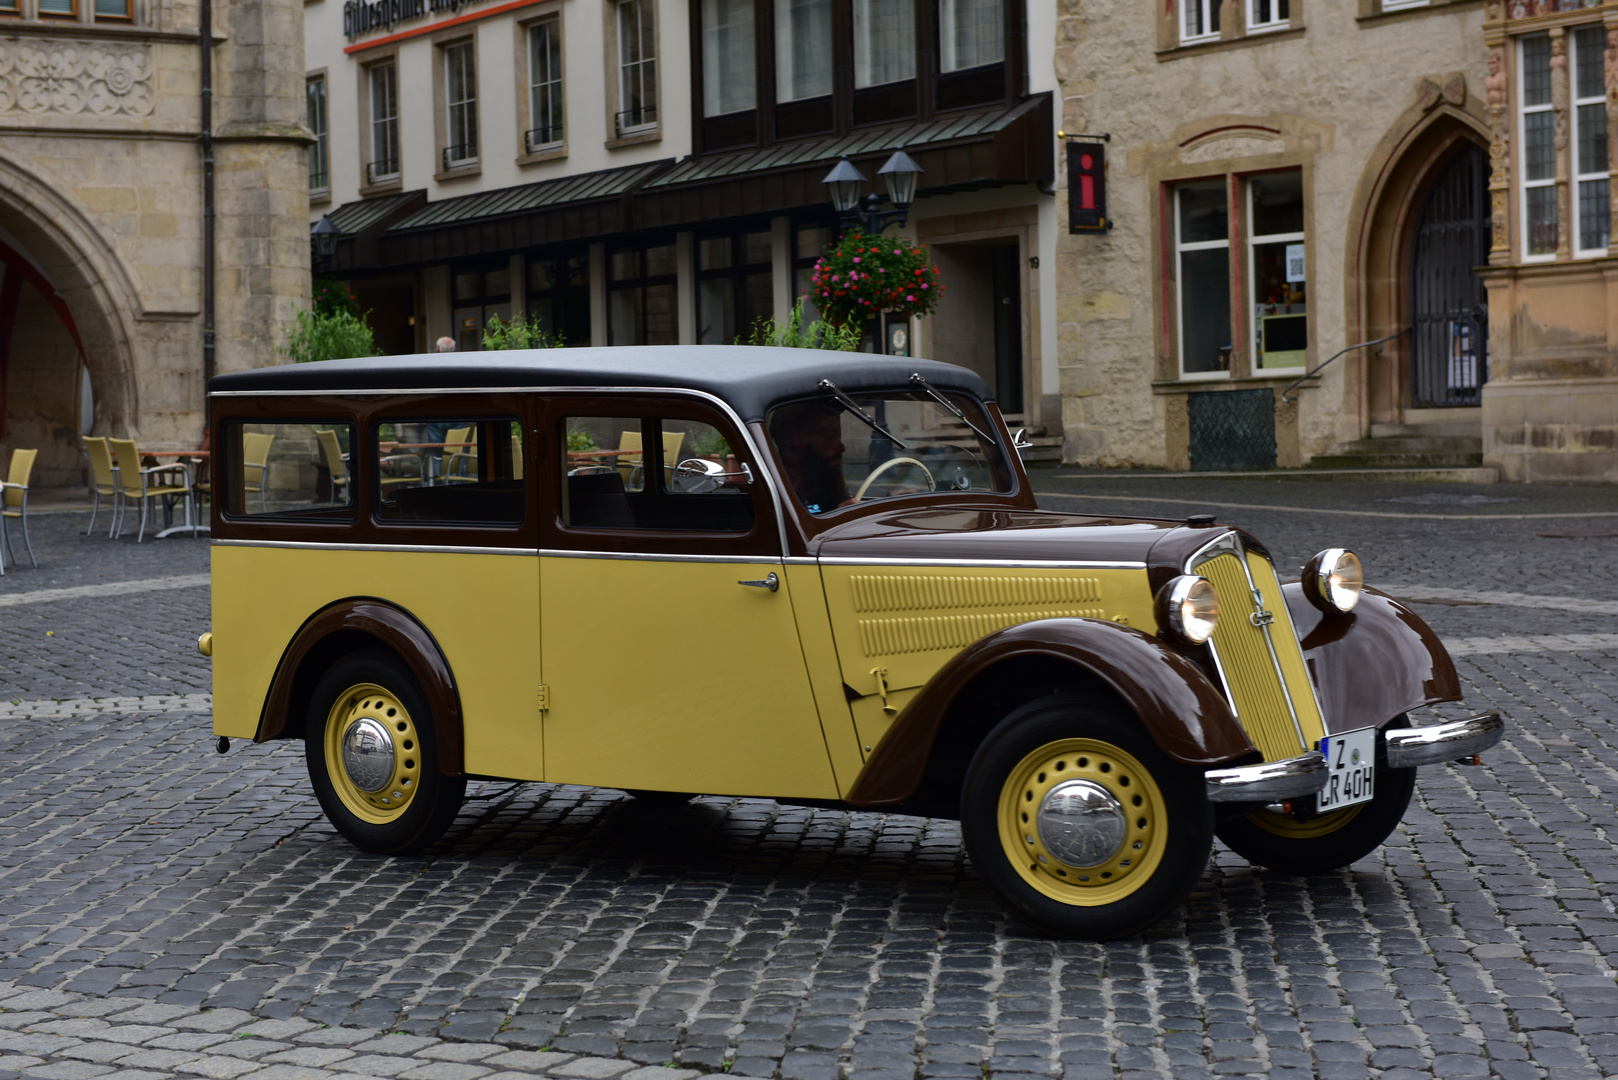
75 78
1559 92
1494 89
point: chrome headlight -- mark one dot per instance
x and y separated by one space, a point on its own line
1189 606
1333 580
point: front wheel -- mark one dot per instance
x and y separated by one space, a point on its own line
1328 841
1080 824
369 744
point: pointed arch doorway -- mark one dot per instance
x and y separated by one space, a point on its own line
1449 309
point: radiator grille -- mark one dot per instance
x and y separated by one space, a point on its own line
1251 673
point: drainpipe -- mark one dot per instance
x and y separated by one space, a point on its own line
207 194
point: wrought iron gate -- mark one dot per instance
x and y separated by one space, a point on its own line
1232 429
1449 307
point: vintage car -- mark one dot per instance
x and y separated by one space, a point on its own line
809 576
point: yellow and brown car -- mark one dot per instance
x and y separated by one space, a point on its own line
809 576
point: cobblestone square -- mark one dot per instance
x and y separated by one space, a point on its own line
169 912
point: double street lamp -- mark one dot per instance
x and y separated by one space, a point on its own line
901 173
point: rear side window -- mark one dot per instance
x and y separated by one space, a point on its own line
450 470
294 469
653 473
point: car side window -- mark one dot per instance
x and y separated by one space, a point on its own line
289 470
652 473
450 469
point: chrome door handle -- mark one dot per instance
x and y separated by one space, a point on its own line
771 582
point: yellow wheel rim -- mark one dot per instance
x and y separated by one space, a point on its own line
1124 778
1319 825
370 702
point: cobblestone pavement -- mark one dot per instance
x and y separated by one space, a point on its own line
168 912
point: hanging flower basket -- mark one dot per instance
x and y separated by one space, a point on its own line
865 275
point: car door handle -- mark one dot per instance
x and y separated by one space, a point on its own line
771 582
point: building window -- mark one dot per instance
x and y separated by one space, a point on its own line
559 295
1400 5
480 295
803 53
727 56
1202 252
1199 21
107 10
1592 197
1276 269
544 86
971 33
10 7
735 286
384 91
461 101
808 242
641 296
320 152
1267 14
637 67
884 42
1538 120
58 9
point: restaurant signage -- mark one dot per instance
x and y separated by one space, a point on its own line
361 16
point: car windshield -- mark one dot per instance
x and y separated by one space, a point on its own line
833 458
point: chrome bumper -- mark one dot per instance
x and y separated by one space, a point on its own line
1269 782
1409 747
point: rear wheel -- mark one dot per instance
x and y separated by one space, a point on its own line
372 756
1080 824
1328 841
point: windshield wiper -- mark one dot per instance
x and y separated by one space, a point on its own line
944 401
852 406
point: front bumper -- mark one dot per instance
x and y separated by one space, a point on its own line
1270 781
1452 741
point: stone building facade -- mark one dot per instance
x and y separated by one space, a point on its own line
102 299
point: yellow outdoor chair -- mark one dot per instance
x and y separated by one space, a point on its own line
106 481
157 482
14 504
335 463
454 463
631 460
256 467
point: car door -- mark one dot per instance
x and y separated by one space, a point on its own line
669 646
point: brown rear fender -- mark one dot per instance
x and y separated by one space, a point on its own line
1373 663
1181 710
341 628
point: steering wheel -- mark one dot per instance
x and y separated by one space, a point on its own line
859 496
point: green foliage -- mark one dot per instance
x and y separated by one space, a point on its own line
578 438
706 442
795 334
864 275
518 334
328 296
329 337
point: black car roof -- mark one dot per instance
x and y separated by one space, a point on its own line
750 378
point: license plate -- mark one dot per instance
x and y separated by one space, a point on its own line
1351 757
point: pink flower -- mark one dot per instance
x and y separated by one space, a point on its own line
912 299
924 286
856 258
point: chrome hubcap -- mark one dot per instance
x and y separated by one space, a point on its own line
1081 823
368 754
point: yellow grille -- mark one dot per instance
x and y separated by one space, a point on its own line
1250 670
923 592
893 637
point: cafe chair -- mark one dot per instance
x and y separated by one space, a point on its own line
454 463
157 482
336 464
632 453
14 504
106 483
256 466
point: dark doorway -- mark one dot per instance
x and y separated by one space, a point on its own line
1449 306
1007 285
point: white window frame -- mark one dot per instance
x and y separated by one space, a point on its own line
385 127
551 29
1252 279
1276 21
1206 12
468 106
1180 248
1401 5
642 71
1525 110
321 150
1577 178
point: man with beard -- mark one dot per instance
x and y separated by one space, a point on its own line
809 437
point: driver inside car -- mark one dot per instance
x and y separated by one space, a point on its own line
809 437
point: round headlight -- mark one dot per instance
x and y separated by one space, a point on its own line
1334 579
1189 606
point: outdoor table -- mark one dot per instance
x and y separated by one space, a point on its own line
189 483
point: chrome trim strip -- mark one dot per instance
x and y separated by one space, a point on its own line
1018 564
801 560
638 556
1229 542
1410 747
1288 779
317 545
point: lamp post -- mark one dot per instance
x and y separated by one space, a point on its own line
900 173
323 243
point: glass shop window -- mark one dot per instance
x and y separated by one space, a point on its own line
1202 247
300 470
641 296
464 471
559 296
656 473
480 295
735 286
1276 270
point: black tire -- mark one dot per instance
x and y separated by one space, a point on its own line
418 803
1160 806
664 802
1329 841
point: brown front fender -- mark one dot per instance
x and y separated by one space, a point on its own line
1373 663
352 624
1180 708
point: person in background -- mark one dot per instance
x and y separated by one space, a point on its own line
446 344
437 432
